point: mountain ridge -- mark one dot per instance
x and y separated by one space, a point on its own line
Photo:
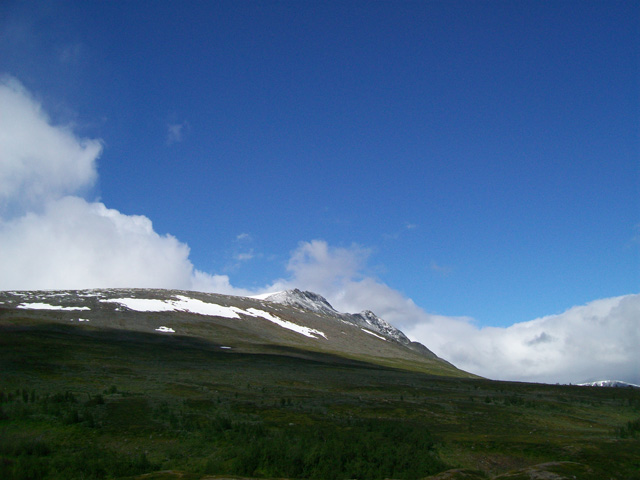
365 319
300 320
609 384
317 303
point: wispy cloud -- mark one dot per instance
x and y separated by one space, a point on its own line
176 132
443 270
245 256
397 234
242 251
70 53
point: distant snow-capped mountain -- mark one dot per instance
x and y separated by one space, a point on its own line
608 383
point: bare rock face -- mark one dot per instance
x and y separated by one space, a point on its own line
366 319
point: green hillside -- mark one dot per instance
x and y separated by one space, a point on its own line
245 333
79 401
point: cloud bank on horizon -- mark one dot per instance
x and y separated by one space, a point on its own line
51 237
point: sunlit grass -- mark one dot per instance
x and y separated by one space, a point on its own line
108 404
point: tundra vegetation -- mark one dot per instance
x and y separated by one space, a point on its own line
95 403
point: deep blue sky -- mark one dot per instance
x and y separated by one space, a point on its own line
486 153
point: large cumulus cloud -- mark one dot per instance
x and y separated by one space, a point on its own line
50 236
595 341
590 342
76 244
40 162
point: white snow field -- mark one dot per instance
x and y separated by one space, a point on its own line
46 306
192 305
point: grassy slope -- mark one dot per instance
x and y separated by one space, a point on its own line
246 334
109 403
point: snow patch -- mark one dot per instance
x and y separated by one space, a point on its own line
264 296
46 306
183 304
306 331
143 304
192 305
165 330
374 334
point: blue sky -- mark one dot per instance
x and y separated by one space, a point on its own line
480 158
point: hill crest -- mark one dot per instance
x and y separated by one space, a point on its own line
304 321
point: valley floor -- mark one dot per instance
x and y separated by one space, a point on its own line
77 402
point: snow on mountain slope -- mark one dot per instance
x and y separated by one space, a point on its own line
46 306
294 320
193 305
182 304
179 303
305 300
306 331
368 321
608 383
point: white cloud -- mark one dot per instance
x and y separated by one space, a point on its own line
244 256
595 341
317 266
176 132
50 239
338 273
76 244
39 162
243 252
204 282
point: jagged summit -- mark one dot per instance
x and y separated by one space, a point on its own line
366 320
295 320
301 299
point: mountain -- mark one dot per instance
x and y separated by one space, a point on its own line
304 300
368 321
168 384
608 383
303 322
